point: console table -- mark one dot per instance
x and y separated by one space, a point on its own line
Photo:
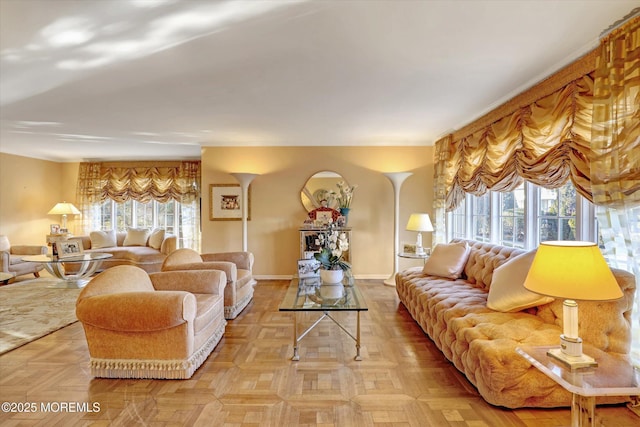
308 237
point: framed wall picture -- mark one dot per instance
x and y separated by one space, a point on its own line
68 248
225 202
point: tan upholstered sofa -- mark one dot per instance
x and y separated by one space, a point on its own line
11 258
236 265
159 325
148 254
481 341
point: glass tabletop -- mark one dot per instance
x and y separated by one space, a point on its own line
90 256
310 294
612 377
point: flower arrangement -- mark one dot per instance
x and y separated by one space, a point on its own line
345 194
333 244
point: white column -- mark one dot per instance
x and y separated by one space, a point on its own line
244 179
396 178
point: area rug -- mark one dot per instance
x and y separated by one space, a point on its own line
30 310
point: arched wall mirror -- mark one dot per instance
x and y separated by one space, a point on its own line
318 187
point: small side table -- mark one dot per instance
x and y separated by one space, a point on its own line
612 377
414 256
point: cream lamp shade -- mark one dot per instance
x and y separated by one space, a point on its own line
575 271
64 209
419 222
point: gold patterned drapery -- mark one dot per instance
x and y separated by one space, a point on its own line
615 174
615 168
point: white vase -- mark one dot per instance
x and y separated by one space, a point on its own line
331 292
331 276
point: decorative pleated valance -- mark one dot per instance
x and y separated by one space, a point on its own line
581 124
140 181
546 142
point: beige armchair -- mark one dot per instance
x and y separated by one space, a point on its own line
158 325
236 265
11 258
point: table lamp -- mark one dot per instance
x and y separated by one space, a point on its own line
64 209
419 222
575 271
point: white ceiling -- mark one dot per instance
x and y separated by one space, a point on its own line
132 79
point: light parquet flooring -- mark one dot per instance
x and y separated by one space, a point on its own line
249 379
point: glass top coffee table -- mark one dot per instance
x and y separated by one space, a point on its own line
84 266
310 294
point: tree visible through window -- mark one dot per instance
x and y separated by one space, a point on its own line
133 214
557 213
481 217
512 218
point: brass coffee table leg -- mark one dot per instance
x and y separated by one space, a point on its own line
296 356
358 357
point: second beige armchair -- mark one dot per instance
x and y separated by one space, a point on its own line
11 258
237 265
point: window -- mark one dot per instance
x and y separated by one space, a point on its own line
481 217
512 218
459 221
524 217
557 213
174 217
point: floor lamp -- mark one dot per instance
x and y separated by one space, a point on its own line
396 178
244 179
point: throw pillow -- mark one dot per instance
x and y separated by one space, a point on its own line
447 260
507 292
103 239
156 238
136 237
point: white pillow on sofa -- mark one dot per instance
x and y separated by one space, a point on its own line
447 260
103 239
156 238
507 292
136 237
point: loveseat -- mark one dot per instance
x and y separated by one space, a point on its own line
138 247
158 325
481 341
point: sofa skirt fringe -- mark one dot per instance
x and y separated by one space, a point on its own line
172 369
232 311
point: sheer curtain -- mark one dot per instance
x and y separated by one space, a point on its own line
143 182
615 168
89 195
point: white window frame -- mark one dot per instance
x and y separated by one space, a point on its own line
586 223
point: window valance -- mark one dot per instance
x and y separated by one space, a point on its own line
546 142
581 123
140 181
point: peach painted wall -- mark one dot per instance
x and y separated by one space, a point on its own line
277 212
29 188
